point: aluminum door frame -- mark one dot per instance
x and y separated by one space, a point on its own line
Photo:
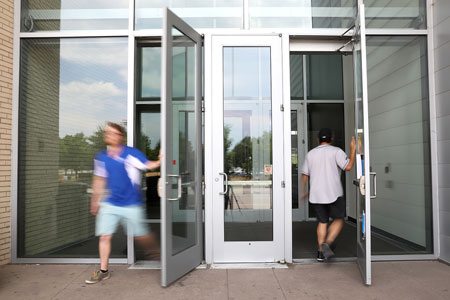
363 223
250 251
175 266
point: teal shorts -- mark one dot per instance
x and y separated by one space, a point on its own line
109 216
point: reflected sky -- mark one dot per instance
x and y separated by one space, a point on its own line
93 84
150 72
151 127
247 92
246 72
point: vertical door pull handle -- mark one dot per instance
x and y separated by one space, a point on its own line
226 183
374 174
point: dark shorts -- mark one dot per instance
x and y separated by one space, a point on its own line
335 210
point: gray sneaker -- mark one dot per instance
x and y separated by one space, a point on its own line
327 252
98 276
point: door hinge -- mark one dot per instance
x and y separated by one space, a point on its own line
282 107
283 184
203 106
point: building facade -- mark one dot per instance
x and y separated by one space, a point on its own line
273 73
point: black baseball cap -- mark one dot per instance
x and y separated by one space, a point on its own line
325 134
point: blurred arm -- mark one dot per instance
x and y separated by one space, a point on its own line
98 187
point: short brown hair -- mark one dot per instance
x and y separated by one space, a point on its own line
117 127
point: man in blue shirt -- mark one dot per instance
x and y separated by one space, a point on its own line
118 169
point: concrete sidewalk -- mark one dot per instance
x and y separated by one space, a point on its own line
391 280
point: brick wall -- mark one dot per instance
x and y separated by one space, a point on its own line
6 66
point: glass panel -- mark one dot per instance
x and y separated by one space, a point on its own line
62 15
363 174
302 13
149 142
294 160
409 14
400 143
325 116
69 88
248 144
149 70
324 78
296 69
198 14
183 143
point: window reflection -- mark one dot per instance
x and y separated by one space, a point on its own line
198 14
62 15
149 69
69 88
301 14
400 142
248 144
183 142
396 14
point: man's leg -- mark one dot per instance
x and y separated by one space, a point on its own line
337 212
321 234
334 230
104 247
105 226
147 240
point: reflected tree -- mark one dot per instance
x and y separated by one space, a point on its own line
242 155
228 156
75 153
96 140
146 147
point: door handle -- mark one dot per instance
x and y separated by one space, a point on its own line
226 184
374 174
179 188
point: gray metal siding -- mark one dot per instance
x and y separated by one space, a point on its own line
441 35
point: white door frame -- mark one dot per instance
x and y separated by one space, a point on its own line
218 251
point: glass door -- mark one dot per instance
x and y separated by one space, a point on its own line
248 194
181 168
363 180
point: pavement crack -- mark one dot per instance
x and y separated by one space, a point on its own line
228 289
70 282
281 288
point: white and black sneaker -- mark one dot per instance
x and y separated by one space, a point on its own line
320 256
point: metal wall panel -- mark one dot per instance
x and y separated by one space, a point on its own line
441 35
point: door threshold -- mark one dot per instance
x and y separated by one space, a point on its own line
155 265
146 265
313 261
249 266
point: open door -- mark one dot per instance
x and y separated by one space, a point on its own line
363 180
181 165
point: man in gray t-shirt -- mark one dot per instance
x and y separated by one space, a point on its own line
323 166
